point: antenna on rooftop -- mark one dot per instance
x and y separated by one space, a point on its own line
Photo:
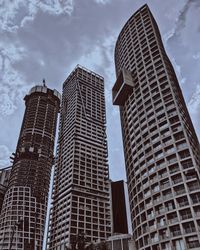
44 82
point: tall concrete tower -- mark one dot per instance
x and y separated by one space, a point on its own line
81 203
4 179
160 145
24 208
119 207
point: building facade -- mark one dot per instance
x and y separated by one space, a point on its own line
160 145
24 208
81 202
119 208
120 242
4 178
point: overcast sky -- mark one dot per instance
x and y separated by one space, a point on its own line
48 38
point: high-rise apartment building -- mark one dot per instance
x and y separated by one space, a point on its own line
24 208
81 203
160 145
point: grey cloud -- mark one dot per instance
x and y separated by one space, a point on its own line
60 42
194 102
12 83
48 51
181 46
102 1
194 108
180 24
20 11
56 7
196 56
49 45
183 49
182 18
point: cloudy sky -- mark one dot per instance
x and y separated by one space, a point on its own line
47 38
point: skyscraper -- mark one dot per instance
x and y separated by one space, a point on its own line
119 208
81 185
23 214
160 145
4 178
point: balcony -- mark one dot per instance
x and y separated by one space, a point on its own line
160 225
176 181
196 200
189 230
193 245
123 88
160 211
155 239
163 237
183 203
152 228
173 220
165 185
194 187
167 196
150 216
145 229
190 177
186 216
157 200
174 170
175 233
180 191
197 213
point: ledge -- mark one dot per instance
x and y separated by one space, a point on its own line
123 87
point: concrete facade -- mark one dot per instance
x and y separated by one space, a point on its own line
160 145
81 201
24 208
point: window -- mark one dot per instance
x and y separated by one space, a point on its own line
170 149
192 242
179 190
175 231
177 179
185 214
171 159
179 245
193 186
183 201
181 145
179 136
184 154
195 198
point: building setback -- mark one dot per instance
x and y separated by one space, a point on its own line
23 214
160 145
81 202
119 208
